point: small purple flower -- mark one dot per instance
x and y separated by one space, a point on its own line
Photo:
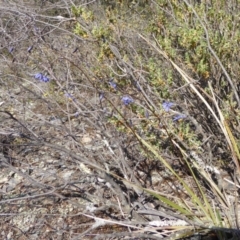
30 49
179 117
38 76
37 30
112 84
45 79
76 114
11 49
167 105
127 100
41 77
68 95
146 114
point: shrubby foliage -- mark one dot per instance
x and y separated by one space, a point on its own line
119 116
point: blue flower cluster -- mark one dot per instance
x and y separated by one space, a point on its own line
41 77
167 106
127 100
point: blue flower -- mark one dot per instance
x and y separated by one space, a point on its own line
45 79
11 49
41 77
167 105
38 76
76 114
127 100
30 49
112 84
179 117
68 95
146 114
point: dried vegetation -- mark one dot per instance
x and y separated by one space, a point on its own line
119 119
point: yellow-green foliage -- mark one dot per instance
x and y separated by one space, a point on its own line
101 32
181 34
79 30
82 12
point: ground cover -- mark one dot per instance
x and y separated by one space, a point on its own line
119 119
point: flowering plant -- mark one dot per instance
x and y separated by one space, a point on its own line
127 100
41 77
